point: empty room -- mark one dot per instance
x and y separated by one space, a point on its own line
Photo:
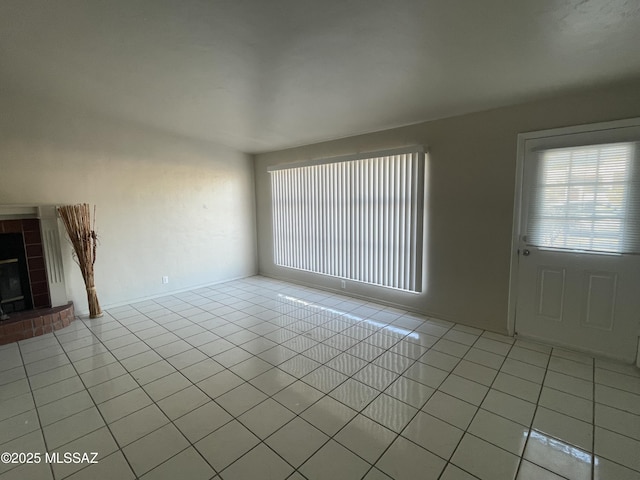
317 240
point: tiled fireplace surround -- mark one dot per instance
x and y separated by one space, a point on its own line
48 313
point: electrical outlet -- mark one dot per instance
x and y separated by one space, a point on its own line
165 279
343 284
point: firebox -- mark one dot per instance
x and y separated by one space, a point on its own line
12 298
15 291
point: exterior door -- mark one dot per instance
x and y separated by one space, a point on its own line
578 272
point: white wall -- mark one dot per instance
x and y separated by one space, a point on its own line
166 205
470 194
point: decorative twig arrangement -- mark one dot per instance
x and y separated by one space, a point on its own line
77 221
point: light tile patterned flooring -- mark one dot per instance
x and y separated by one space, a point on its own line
259 379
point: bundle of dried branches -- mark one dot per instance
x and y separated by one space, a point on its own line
77 221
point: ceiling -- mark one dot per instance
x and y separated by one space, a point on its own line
260 75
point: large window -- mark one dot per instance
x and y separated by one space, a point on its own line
587 198
359 219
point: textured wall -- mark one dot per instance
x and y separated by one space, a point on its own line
470 191
166 205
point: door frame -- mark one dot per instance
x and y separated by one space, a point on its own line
517 202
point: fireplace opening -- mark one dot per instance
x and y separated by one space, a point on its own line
15 291
11 297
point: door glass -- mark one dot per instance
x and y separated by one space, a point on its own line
583 200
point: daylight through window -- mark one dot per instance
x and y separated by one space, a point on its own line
586 198
357 219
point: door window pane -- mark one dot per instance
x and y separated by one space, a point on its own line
585 198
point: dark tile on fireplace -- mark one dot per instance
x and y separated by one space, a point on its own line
41 301
38 276
32 238
30 225
11 226
39 288
34 250
36 263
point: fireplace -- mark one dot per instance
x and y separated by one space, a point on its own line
32 285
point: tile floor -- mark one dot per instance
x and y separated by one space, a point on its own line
259 379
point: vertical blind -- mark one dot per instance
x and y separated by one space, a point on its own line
359 219
587 198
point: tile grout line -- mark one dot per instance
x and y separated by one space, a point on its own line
535 412
533 418
325 395
397 434
95 405
107 424
154 402
330 437
44 439
232 416
415 361
296 415
478 407
363 367
303 333
246 381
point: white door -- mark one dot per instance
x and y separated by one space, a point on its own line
578 279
